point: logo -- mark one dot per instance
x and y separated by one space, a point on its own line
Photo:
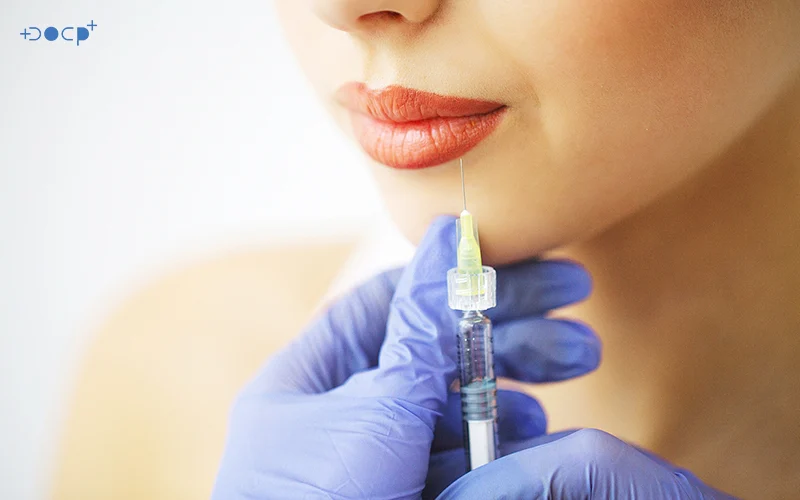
52 33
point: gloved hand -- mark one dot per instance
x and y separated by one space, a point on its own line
583 464
349 409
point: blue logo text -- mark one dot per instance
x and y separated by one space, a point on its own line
70 33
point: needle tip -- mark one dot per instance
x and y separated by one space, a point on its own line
463 190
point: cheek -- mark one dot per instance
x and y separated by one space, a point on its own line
637 91
632 98
651 91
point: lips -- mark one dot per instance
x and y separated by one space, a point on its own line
410 129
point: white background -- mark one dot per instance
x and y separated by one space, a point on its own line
179 128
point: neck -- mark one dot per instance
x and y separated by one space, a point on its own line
697 300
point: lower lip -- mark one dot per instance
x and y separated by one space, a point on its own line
424 143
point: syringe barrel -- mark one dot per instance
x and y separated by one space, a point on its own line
478 388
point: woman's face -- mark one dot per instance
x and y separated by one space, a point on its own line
595 109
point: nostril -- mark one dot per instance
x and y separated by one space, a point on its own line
384 15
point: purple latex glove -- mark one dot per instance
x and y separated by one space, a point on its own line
584 464
359 403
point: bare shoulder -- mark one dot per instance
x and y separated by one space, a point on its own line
148 414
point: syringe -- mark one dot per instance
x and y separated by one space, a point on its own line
471 288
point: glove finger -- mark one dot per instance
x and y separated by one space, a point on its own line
510 447
519 417
416 364
447 466
545 350
343 340
684 474
587 463
532 288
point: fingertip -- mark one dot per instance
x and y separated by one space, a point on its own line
591 349
519 416
594 347
581 283
538 286
545 350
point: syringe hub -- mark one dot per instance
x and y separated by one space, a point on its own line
471 286
485 284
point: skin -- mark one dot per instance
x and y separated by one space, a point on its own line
149 412
657 143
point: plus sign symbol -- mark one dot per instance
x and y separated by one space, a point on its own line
25 33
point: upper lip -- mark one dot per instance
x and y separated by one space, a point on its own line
401 105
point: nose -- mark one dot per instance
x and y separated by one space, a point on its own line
362 15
